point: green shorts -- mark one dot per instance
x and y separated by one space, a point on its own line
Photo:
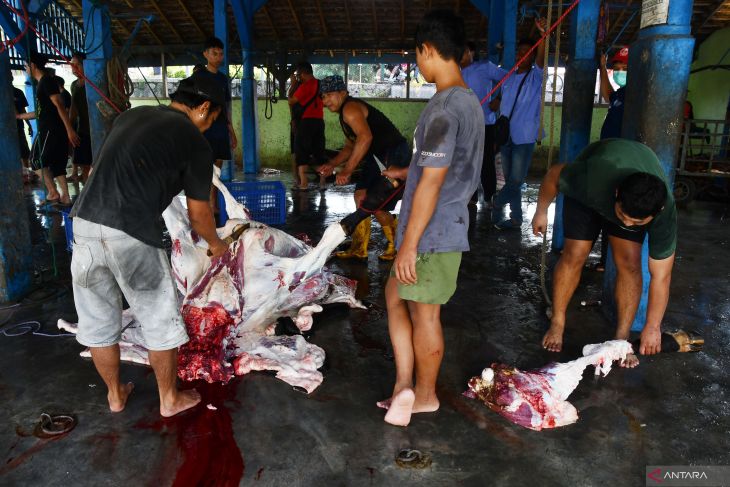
436 274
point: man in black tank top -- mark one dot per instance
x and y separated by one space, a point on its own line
370 138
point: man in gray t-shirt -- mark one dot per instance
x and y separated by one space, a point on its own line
449 134
434 220
432 229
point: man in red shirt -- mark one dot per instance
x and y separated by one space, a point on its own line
308 117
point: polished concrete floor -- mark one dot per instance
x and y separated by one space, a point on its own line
674 409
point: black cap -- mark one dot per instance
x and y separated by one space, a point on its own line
205 86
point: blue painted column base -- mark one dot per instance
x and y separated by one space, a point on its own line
580 80
97 22
244 11
658 70
16 264
609 289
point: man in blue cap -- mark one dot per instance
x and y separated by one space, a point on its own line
370 139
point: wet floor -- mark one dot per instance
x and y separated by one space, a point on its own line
674 409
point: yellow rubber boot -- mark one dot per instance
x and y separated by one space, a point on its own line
389 232
360 239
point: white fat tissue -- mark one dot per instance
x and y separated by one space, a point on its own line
230 305
537 399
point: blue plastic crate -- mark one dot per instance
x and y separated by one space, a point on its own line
266 200
69 229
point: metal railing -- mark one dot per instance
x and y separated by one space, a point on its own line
704 148
57 25
54 23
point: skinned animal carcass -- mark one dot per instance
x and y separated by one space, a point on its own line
537 399
230 304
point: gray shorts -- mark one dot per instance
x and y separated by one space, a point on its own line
107 263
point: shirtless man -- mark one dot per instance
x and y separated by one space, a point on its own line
370 138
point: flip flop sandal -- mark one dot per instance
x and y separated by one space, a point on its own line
688 341
56 425
408 458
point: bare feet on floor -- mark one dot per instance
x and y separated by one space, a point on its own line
424 406
553 339
182 401
630 362
418 406
118 399
385 403
401 407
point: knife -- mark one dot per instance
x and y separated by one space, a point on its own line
235 234
382 167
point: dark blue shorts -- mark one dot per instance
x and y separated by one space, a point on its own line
400 156
583 223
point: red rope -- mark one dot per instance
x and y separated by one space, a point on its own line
387 200
11 42
527 54
24 15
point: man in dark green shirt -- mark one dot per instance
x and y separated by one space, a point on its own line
619 186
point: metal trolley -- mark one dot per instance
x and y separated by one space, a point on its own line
704 162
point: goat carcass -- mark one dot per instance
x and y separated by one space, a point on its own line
537 399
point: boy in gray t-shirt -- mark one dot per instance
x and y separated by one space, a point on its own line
433 224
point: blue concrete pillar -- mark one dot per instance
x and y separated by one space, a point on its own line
580 82
220 26
24 47
484 7
15 246
509 33
98 47
495 30
658 72
244 10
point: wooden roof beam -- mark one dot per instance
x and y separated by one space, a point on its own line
375 19
166 20
192 18
147 26
349 19
296 19
617 22
78 5
402 19
321 19
271 22
717 8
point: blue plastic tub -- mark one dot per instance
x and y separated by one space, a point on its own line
266 200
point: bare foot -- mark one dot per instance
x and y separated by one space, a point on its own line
385 403
401 407
53 196
117 401
553 339
630 361
426 406
183 400
418 406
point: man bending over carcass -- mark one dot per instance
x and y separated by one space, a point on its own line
150 155
619 186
